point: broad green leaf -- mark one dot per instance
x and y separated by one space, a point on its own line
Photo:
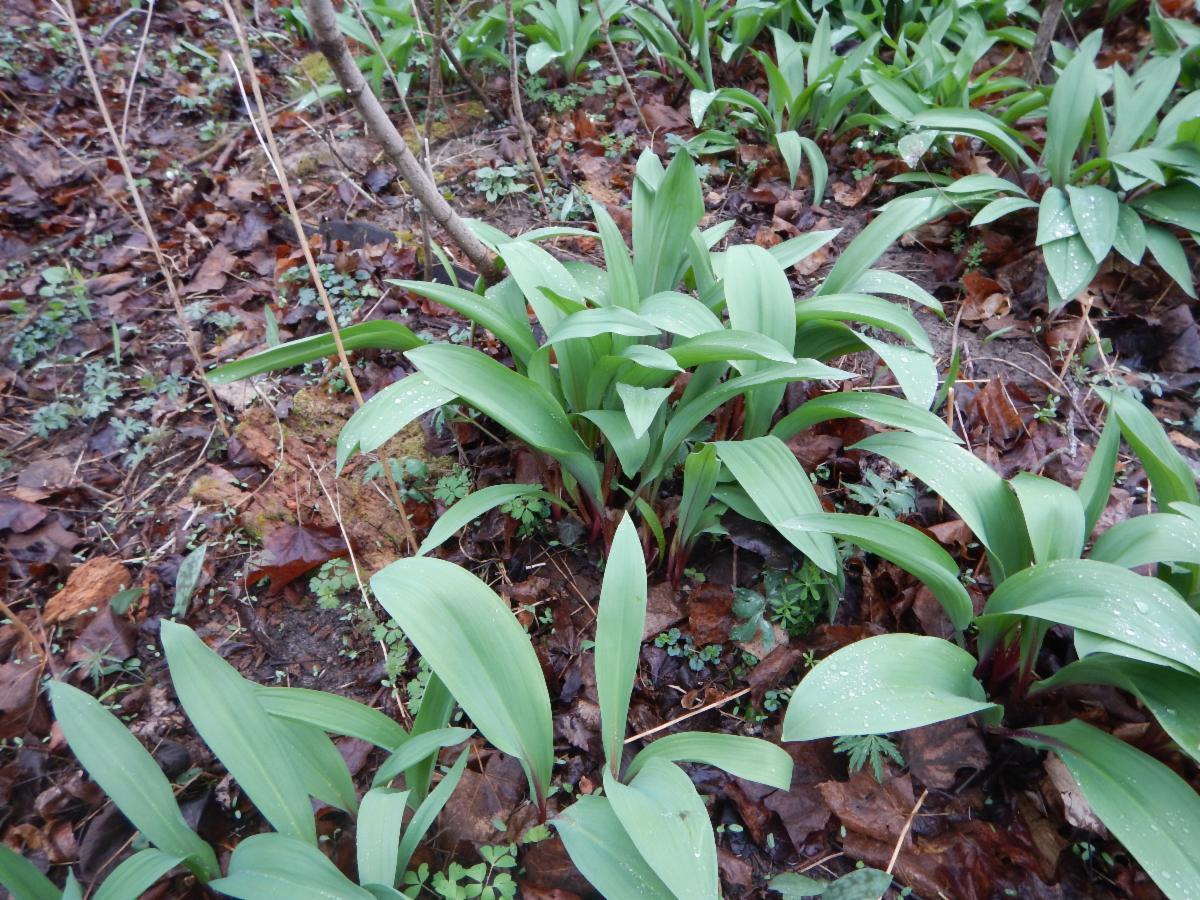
1178 204
892 682
700 472
589 323
759 301
1167 693
690 413
978 124
135 876
539 55
861 884
882 408
793 250
226 712
661 228
794 148
867 310
1130 241
187 578
1071 266
333 713
680 314
1168 252
278 867
1107 600
631 451
319 764
795 887
881 281
1096 211
513 332
1054 517
905 547
1169 473
416 750
428 811
1055 217
25 882
619 628
770 474
391 410
118 762
1154 538
471 639
641 405
999 208
437 705
525 408
1067 114
1150 809
894 219
377 838
622 280
970 184
669 824
535 271
729 345
1097 481
382 335
744 757
979 496
604 852
913 369
475 505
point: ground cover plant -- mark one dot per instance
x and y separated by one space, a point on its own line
567 449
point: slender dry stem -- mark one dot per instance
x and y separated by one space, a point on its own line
518 110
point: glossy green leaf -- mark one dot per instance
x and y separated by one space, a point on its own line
743 757
1130 241
1178 204
795 887
631 451
882 408
187 578
641 405
1169 473
381 335
333 713
525 408
387 413
1167 693
700 472
661 228
226 712
1168 252
416 750
1150 809
680 314
278 867
473 506
905 547
377 838
770 474
868 311
668 823
1067 115
1055 218
428 811
861 884
589 323
729 345
892 682
136 875
319 764
1000 208
795 149
471 639
1154 538
975 123
1071 266
913 369
793 250
1054 517
881 281
513 332
979 496
118 762
1096 212
26 882
622 279
1107 600
619 626
1096 485
604 852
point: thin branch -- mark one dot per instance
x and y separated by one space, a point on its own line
904 831
523 128
695 712
493 110
332 45
612 51
267 138
67 11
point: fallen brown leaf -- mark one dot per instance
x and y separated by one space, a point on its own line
90 586
292 551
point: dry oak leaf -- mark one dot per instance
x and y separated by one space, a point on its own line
91 585
213 272
292 551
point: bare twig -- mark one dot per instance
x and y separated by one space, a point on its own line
1041 44
267 137
518 110
332 45
67 11
137 67
444 46
695 712
612 51
904 831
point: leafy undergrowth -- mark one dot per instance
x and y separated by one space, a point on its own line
126 504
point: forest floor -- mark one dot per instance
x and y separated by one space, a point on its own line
114 467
